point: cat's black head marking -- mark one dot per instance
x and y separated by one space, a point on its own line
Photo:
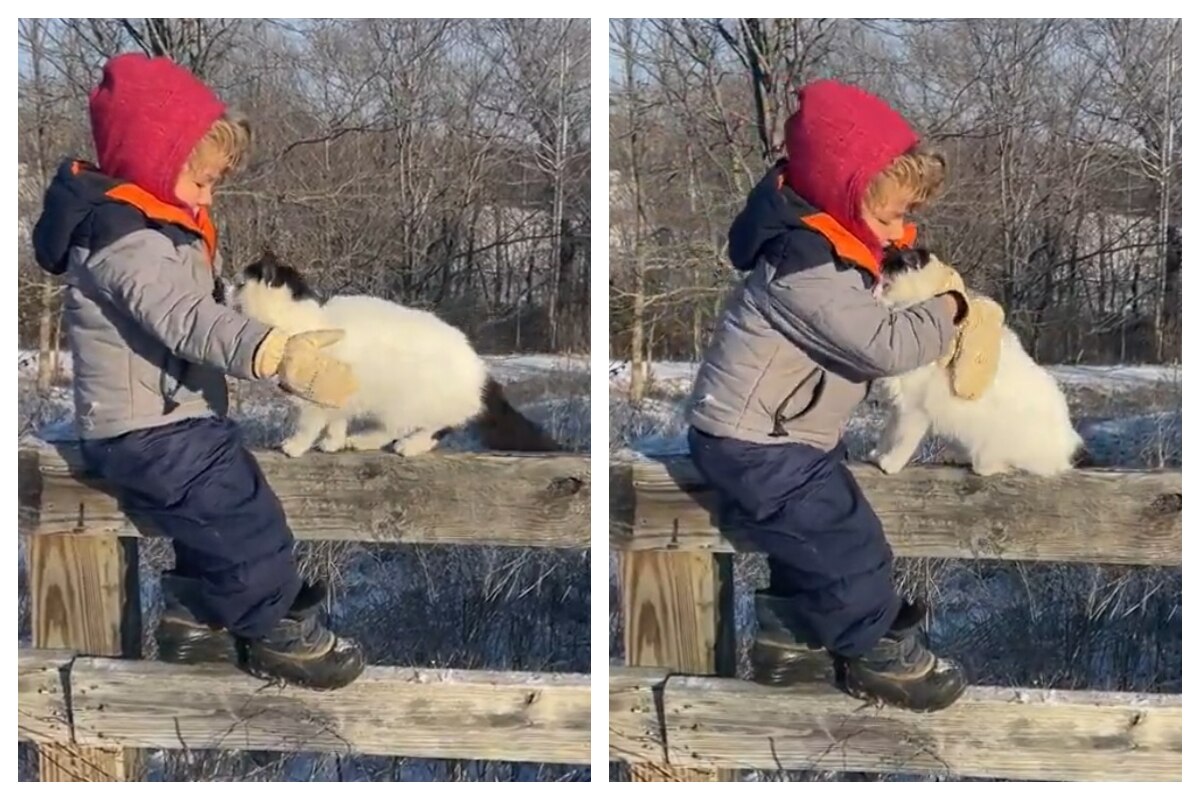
897 260
270 271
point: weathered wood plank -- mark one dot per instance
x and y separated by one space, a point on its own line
674 618
1094 516
519 500
508 716
85 598
990 732
42 714
634 723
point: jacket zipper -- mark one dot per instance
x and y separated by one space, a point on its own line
779 420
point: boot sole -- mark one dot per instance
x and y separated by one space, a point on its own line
877 699
860 691
265 674
283 671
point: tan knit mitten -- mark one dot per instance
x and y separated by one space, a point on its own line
303 369
975 355
953 283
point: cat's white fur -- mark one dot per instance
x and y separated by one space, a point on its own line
416 373
1021 422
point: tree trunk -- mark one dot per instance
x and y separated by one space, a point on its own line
45 373
637 334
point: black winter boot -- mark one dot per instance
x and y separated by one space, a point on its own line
182 638
901 671
301 650
785 654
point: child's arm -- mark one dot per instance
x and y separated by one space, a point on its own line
143 276
830 314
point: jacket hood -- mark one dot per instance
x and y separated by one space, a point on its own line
768 214
74 213
70 199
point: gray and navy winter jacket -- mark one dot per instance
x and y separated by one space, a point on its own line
150 338
803 335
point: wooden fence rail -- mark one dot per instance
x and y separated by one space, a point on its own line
677 614
506 716
525 501
1094 516
665 723
90 716
657 721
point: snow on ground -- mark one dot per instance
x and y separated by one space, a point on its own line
515 367
1117 377
664 375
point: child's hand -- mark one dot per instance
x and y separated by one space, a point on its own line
954 293
303 369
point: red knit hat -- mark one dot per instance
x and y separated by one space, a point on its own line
147 116
838 139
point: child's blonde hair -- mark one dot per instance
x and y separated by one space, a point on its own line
918 175
224 147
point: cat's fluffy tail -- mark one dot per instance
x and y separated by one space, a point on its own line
1082 457
502 427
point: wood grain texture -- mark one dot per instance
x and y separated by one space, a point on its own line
42 714
508 716
989 733
635 733
85 598
528 501
1093 516
673 617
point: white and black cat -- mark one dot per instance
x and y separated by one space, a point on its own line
419 377
1022 422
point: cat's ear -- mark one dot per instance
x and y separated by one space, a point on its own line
893 258
914 259
268 265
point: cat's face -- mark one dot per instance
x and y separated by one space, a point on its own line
911 275
268 291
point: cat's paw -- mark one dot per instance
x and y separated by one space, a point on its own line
887 464
985 469
366 441
331 446
293 448
414 446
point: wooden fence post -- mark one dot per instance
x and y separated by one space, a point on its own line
85 598
677 613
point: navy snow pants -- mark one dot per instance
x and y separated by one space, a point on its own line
196 483
825 546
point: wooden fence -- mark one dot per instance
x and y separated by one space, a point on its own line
675 714
89 704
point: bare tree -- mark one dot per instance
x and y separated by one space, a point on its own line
1063 139
442 163
32 33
